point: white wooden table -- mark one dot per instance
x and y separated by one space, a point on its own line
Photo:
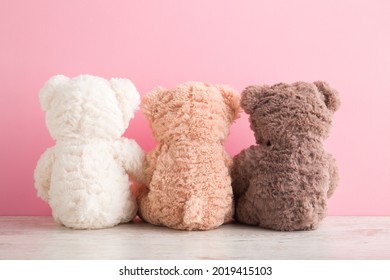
336 238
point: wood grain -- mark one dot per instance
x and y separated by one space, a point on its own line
336 238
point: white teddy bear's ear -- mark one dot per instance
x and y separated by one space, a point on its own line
47 92
127 96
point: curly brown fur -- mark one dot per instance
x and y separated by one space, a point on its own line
188 186
284 181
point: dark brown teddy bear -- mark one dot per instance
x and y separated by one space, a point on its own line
283 182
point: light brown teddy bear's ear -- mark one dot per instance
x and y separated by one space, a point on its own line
47 92
232 100
331 96
149 101
250 97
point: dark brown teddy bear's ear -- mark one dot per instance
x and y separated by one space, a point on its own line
331 96
250 97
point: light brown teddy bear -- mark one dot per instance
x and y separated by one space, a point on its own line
187 174
283 182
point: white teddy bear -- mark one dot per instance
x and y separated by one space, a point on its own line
85 176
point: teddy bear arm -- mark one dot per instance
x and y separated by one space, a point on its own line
42 173
241 171
151 164
227 160
333 175
132 158
142 189
240 186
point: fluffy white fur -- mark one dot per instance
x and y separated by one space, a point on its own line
85 176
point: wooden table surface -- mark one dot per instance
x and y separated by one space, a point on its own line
336 238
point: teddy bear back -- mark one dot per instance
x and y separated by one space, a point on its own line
88 107
192 111
290 115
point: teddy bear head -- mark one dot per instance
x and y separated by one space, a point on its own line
88 106
286 113
191 111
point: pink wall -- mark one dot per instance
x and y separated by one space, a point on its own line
166 42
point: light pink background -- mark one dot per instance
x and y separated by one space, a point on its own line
167 42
